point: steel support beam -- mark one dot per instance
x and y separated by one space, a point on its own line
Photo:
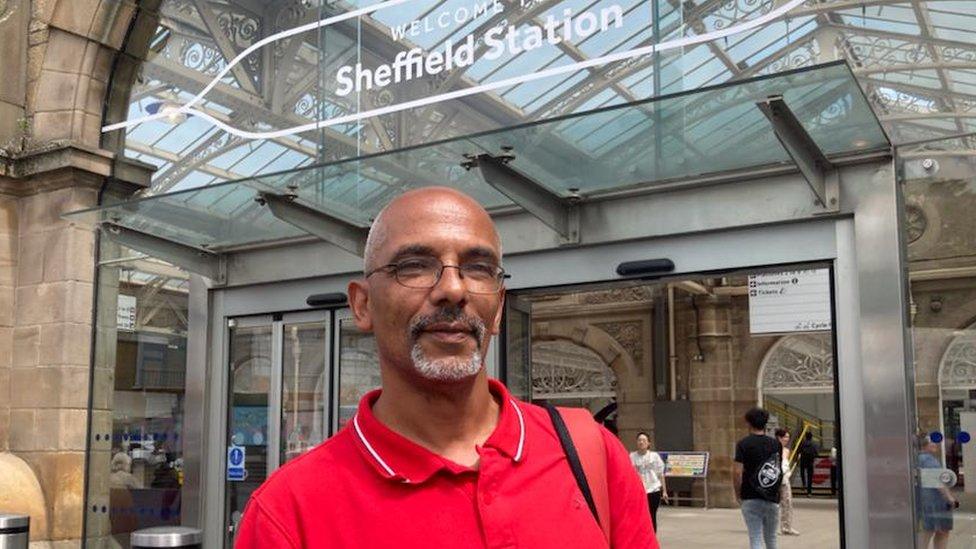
528 194
819 173
328 227
192 259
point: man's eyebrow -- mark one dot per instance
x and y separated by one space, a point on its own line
480 252
410 250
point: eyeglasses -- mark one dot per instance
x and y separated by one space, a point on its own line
423 273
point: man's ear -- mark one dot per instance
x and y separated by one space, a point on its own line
496 327
359 304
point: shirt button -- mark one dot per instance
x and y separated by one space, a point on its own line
486 498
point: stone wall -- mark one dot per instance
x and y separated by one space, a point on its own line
58 57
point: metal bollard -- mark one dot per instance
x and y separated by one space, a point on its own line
182 537
14 531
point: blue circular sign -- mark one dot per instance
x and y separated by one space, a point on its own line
236 456
964 437
935 437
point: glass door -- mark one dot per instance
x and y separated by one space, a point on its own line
278 399
763 337
357 367
518 346
251 361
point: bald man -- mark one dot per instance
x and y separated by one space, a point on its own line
441 456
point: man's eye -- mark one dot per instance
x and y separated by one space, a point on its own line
480 270
414 266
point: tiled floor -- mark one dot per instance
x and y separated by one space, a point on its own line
687 527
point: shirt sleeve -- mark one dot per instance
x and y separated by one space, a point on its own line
658 464
260 530
738 453
630 519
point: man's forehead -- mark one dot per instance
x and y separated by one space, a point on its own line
437 217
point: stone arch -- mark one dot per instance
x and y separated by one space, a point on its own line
248 374
596 340
957 367
81 54
798 363
562 368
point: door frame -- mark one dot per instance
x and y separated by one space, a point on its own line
753 219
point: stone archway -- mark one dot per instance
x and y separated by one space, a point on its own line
798 363
957 369
956 378
590 337
633 393
563 369
796 384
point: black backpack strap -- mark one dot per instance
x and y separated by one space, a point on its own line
573 457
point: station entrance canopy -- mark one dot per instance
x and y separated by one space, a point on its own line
809 120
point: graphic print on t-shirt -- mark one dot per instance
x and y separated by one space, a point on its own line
769 473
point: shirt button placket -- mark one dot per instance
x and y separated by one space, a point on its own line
497 532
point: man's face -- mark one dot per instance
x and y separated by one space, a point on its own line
440 334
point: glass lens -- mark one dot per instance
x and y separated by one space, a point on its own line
480 277
418 273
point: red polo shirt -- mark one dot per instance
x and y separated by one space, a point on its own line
369 487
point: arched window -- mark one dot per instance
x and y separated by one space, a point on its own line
957 369
798 363
562 369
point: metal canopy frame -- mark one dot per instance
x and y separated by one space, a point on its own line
316 222
324 200
557 213
195 260
819 173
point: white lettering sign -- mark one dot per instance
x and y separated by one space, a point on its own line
502 41
126 313
791 301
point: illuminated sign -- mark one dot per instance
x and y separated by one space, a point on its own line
501 41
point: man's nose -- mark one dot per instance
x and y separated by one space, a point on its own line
451 287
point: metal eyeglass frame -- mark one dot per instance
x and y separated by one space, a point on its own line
394 267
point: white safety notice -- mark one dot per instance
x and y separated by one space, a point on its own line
790 301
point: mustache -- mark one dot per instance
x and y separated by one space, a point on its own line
448 315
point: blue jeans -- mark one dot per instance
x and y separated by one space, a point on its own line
762 521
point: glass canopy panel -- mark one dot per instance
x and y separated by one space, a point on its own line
640 144
214 217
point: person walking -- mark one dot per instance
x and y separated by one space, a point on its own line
650 467
808 455
936 502
757 478
786 491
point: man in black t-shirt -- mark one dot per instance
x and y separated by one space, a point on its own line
808 456
757 477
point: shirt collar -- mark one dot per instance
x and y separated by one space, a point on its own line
399 459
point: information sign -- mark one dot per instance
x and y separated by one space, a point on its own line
126 313
790 301
235 463
685 464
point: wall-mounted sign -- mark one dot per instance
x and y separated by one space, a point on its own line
466 48
791 301
126 313
235 463
685 464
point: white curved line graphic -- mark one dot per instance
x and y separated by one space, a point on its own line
610 58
